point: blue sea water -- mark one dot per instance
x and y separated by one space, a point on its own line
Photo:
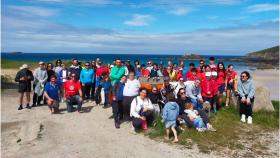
107 58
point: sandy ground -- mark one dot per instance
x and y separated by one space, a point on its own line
36 133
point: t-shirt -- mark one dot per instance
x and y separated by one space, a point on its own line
230 75
72 87
221 77
52 90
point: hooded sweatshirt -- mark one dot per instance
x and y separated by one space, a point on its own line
87 76
246 88
170 111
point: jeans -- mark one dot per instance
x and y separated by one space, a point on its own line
117 110
107 99
92 93
71 100
136 122
98 96
198 123
196 104
189 123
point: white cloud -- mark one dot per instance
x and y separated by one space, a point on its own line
180 11
139 20
33 11
262 8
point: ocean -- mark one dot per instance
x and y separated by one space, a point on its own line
107 58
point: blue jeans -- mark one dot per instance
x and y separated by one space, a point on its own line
196 104
71 100
198 123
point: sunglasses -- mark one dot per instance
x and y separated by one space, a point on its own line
183 93
181 80
243 76
201 63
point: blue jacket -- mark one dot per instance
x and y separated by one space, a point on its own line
107 86
87 76
170 111
246 88
118 90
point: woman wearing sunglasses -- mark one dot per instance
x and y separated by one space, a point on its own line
246 90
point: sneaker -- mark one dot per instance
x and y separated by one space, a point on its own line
200 129
28 107
20 107
33 105
117 125
250 120
211 128
111 117
243 118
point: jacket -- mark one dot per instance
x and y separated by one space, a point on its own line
27 74
137 104
207 88
170 111
116 74
246 88
118 90
40 76
87 76
192 91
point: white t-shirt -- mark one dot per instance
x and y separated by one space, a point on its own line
136 105
131 88
192 113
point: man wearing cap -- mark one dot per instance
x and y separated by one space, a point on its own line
40 78
87 79
24 77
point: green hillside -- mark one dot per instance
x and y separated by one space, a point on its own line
265 54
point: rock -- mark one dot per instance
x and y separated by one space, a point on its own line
262 100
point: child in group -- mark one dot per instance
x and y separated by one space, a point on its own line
170 114
207 88
107 89
99 87
194 117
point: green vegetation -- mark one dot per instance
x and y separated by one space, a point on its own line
230 131
266 54
13 64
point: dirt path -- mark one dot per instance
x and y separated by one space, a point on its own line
36 133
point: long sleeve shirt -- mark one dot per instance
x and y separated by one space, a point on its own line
246 88
137 104
192 91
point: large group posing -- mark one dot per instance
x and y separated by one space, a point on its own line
187 96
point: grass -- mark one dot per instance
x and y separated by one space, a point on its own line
230 131
13 64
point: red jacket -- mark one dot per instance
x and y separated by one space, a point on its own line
102 70
230 75
189 74
201 76
145 73
179 75
221 77
207 88
216 85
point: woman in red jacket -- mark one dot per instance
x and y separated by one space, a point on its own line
215 90
231 82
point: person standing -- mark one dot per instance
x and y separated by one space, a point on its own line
40 78
231 83
75 68
246 90
87 79
73 93
117 72
117 97
130 91
52 93
24 77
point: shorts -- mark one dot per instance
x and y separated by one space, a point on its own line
170 124
24 88
222 88
230 87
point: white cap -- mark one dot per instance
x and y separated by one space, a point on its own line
24 66
208 74
41 62
214 73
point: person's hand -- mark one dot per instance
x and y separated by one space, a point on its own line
248 101
143 118
145 109
81 99
22 79
243 99
83 84
114 98
225 89
208 92
50 99
231 81
201 100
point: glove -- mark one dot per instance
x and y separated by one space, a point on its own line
248 101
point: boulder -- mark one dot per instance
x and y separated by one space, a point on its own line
262 100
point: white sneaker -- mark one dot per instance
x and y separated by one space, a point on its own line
243 118
249 120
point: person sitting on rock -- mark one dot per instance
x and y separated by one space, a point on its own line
246 90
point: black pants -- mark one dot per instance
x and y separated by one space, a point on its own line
245 108
98 96
117 110
137 122
36 99
86 91
92 93
107 99
126 105
189 123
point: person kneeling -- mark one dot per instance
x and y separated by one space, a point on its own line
141 110
51 92
170 114
73 93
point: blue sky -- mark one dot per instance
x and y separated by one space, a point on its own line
143 26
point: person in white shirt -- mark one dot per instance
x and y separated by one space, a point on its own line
194 93
141 110
130 91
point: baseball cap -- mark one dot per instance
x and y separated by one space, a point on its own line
208 74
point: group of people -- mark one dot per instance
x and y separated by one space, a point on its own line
187 96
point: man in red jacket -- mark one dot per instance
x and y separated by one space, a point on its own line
207 88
